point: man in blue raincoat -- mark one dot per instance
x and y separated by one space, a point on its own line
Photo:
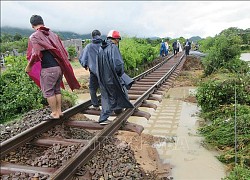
163 49
110 68
88 61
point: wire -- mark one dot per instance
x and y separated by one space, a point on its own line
235 126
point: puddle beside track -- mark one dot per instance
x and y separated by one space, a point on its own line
177 120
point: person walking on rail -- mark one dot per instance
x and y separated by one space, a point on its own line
179 48
163 50
187 47
88 61
48 62
110 68
175 48
167 47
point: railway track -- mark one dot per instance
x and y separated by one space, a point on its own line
149 85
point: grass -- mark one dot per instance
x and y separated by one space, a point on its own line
75 63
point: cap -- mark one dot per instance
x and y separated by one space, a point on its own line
114 34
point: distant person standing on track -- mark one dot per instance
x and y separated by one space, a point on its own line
48 62
167 47
175 48
110 68
187 47
179 46
88 61
163 50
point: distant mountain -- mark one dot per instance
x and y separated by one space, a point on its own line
13 31
152 38
195 38
64 35
155 38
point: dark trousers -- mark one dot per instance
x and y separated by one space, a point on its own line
93 86
175 51
187 51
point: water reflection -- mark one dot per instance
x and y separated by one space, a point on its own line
245 56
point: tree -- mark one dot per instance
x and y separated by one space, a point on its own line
224 53
17 37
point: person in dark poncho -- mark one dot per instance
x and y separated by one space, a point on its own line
110 68
88 61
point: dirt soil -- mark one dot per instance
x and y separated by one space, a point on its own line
82 76
145 154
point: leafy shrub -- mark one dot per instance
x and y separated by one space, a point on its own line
136 52
221 133
21 46
69 99
219 90
245 47
221 130
224 49
72 52
18 94
239 173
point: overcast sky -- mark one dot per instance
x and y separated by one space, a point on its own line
133 18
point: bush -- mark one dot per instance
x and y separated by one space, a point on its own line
136 52
221 133
18 94
239 173
221 130
219 90
72 52
245 48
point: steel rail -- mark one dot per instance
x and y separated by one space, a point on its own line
27 135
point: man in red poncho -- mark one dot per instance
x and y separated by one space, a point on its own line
48 62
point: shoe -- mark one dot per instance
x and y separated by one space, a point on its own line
49 117
104 122
96 108
118 111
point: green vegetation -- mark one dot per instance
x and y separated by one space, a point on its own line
238 173
224 96
8 44
219 89
75 63
136 53
223 52
18 93
72 52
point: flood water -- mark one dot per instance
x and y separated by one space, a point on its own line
178 120
245 56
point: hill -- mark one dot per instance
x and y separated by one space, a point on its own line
195 38
64 35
